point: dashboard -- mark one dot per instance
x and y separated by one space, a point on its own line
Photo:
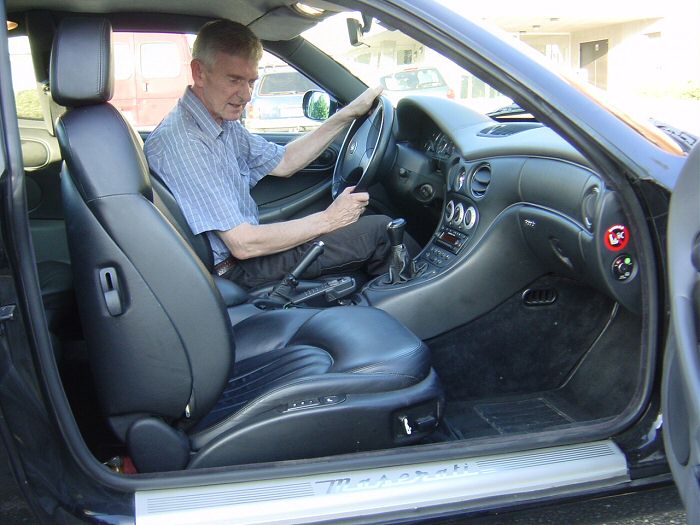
517 202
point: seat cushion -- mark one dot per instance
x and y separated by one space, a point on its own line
283 356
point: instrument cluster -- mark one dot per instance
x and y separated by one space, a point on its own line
438 145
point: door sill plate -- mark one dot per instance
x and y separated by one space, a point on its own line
386 491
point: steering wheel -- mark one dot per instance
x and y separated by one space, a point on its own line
363 148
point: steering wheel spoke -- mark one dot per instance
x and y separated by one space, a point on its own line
365 160
364 148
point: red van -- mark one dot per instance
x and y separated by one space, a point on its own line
151 71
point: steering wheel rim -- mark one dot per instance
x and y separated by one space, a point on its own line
363 148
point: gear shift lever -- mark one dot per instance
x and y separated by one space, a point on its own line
395 229
401 266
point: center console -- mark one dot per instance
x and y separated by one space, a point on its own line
456 229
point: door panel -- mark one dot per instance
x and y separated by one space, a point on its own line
305 192
681 378
43 182
42 164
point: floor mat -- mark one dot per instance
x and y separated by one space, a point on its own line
525 415
518 349
512 415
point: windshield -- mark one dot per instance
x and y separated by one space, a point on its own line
412 78
401 65
285 83
640 56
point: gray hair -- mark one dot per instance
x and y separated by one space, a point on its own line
228 37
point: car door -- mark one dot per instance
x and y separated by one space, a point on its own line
681 377
306 192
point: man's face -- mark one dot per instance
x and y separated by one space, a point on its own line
226 87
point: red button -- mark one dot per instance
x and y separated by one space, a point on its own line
617 237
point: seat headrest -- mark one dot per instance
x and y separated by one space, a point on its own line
81 62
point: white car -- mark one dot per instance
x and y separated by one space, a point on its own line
276 104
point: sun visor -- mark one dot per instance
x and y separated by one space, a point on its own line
281 24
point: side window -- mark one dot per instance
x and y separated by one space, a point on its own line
151 71
160 60
23 80
277 97
123 61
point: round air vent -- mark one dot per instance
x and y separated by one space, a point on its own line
461 177
480 180
588 207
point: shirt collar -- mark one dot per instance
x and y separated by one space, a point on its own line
199 112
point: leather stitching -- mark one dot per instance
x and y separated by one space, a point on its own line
374 366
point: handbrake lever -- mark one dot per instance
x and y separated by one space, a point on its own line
286 286
332 291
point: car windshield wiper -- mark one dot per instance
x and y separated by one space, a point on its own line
511 109
684 139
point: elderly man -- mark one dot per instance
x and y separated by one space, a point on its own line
210 162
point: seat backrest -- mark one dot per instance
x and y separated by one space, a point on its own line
159 337
166 203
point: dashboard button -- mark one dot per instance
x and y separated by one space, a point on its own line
623 267
470 217
450 211
458 214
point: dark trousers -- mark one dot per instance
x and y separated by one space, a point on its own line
363 245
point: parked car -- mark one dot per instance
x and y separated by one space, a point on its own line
412 80
556 290
276 103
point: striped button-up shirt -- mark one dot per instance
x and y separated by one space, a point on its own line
210 169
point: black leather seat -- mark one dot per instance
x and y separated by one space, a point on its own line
178 384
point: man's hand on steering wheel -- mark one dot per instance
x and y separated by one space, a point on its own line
366 142
362 104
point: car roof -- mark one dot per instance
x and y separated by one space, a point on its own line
272 20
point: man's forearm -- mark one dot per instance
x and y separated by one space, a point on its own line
247 240
307 147
300 152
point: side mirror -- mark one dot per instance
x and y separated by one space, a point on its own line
318 105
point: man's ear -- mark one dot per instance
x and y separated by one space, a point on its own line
197 72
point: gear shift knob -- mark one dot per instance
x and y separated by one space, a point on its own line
395 229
